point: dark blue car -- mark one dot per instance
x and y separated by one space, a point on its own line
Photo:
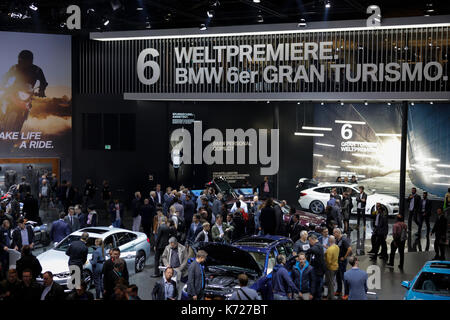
254 256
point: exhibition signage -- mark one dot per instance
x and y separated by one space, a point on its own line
336 63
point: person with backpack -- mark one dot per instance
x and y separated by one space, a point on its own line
304 277
399 235
244 292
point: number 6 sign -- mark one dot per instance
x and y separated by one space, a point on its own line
346 131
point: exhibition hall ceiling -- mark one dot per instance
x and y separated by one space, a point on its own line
114 15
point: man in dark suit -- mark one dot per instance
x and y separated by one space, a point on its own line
166 289
28 261
196 277
361 200
380 232
148 212
72 220
194 229
52 291
162 240
440 229
59 229
205 234
424 215
78 251
295 228
68 196
189 208
22 235
159 195
107 271
413 208
266 189
29 289
31 208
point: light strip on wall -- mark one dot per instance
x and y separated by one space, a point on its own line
443 165
328 171
317 128
330 166
440 176
427 159
361 155
317 155
441 184
325 144
104 36
349 121
307 134
347 161
388 134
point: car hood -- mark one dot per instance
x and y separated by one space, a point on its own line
226 255
55 261
383 198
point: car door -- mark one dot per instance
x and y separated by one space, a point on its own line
124 241
323 194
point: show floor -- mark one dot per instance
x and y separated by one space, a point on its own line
390 278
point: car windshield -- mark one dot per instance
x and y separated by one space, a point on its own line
433 283
63 245
260 258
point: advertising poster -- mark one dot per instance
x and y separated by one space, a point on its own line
360 140
365 141
36 97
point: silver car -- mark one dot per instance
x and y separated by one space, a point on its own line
134 249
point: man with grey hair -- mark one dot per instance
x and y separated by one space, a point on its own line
302 244
175 256
332 264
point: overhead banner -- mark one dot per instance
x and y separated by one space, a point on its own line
317 64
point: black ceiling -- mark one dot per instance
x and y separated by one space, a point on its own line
161 14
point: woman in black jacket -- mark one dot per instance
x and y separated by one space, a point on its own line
267 218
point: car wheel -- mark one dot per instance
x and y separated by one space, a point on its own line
139 263
87 278
316 207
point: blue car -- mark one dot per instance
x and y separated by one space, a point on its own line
431 283
254 256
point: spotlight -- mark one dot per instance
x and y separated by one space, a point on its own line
298 102
327 5
412 103
366 103
139 9
115 4
302 23
105 22
260 18
90 11
210 13
342 103
15 15
33 7
203 27
431 102
388 103
268 101
147 24
257 1
322 103
215 3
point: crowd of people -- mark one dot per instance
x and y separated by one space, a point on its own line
175 220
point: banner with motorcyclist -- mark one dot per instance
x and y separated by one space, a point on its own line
35 95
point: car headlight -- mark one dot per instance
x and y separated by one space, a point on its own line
62 274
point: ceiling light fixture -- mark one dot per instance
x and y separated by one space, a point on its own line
302 23
210 13
260 18
203 27
328 5
257 1
33 7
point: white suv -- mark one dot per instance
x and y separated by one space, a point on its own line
316 198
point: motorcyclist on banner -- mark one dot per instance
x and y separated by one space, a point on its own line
15 102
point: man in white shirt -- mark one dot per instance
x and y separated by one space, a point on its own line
243 205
